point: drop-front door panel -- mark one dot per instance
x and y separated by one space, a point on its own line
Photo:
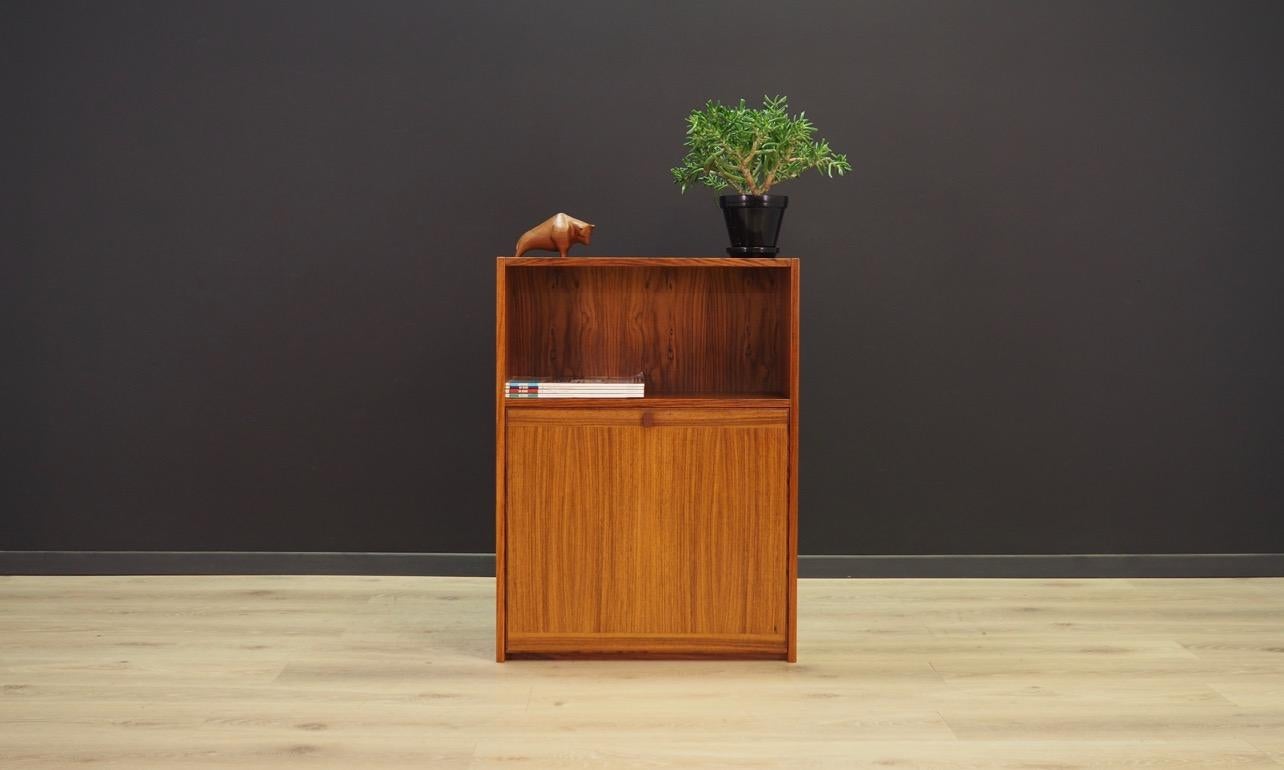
646 524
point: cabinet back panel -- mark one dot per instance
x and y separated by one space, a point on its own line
687 329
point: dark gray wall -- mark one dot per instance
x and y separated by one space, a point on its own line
247 294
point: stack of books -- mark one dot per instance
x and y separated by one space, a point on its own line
582 387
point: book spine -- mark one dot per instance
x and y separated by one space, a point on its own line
583 393
575 395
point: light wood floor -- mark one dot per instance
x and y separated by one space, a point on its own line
376 672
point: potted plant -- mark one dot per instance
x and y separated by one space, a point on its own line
751 150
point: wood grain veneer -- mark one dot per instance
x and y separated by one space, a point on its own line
794 392
647 522
657 417
657 527
711 329
725 401
553 645
782 263
501 335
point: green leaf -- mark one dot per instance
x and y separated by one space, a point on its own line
751 149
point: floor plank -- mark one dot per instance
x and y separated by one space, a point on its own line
391 672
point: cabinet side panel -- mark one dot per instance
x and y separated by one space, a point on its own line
501 335
795 394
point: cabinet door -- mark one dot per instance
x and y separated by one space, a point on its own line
647 529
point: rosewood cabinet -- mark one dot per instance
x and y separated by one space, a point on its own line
664 526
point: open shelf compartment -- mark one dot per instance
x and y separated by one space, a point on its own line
701 331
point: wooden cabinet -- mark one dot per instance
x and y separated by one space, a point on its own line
655 527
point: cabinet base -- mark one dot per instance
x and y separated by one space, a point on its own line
645 656
666 646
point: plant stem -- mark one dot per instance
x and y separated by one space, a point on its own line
771 177
724 169
744 169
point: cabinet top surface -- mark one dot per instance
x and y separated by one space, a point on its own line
781 262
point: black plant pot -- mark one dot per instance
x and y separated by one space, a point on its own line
753 222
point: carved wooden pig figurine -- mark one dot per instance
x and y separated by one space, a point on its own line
556 233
